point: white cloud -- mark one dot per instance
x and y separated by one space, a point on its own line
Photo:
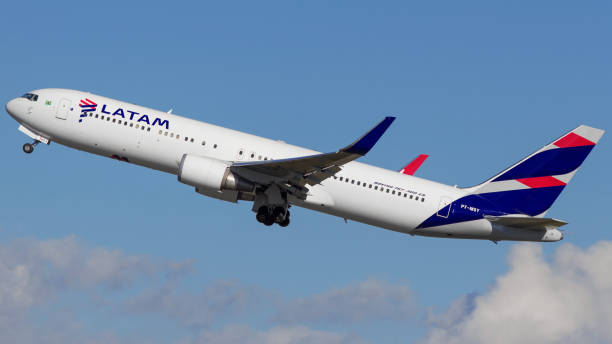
33 273
196 310
369 300
566 300
236 334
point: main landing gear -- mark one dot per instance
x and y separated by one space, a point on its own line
29 147
271 215
271 206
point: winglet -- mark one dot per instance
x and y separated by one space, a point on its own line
367 141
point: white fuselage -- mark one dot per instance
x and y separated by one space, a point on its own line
372 195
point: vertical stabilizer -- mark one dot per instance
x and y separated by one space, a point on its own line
532 185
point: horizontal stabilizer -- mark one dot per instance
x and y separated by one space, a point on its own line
534 223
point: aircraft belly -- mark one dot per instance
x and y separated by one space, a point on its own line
477 229
376 209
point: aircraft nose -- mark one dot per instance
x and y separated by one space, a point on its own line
11 107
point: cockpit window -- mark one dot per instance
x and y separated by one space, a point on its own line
30 96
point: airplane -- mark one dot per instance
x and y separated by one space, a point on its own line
414 165
234 166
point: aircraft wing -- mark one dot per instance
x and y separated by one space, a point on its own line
312 169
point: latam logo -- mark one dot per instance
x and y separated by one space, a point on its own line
88 105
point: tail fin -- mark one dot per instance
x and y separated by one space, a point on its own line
532 185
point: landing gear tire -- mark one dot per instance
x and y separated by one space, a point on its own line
285 221
262 214
278 214
269 221
28 148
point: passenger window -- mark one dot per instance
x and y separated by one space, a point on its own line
114 120
178 136
393 192
203 143
358 183
119 121
376 188
340 178
96 115
265 158
160 132
102 117
191 140
405 195
142 128
388 190
410 196
137 125
416 198
370 186
90 114
148 128
131 124
352 181
215 145
186 139
422 199
252 155
108 119
240 153
125 123
171 134
259 157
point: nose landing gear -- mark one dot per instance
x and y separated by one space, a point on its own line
29 147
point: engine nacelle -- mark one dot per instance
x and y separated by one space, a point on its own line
211 174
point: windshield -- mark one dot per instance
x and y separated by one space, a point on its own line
30 96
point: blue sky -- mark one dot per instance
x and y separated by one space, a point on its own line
476 84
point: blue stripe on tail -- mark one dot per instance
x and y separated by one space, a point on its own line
549 163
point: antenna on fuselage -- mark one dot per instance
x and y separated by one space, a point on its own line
170 111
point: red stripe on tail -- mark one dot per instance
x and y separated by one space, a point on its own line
572 140
541 182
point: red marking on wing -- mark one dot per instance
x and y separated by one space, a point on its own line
541 182
572 140
414 165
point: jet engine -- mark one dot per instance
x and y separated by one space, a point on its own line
211 174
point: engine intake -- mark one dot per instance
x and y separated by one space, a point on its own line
211 174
